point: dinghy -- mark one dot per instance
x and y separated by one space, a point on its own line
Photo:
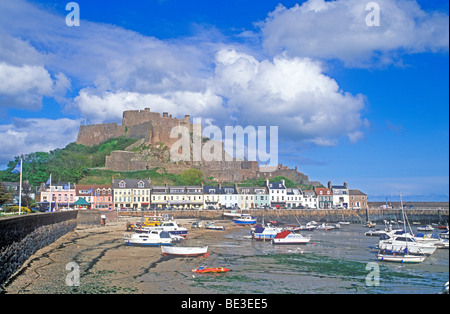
185 251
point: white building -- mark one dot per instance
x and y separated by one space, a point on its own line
277 193
340 195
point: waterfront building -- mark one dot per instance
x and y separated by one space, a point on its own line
253 197
340 195
324 197
229 197
294 198
100 197
310 199
211 197
357 199
60 196
277 193
131 194
185 197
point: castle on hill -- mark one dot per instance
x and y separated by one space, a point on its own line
152 130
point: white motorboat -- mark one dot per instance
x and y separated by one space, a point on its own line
325 227
185 251
425 228
213 226
170 226
400 256
151 238
287 237
265 232
344 223
310 226
443 234
400 240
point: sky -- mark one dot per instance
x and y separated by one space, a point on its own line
360 93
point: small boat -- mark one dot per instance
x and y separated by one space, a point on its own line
325 227
171 226
203 270
265 233
152 238
185 251
310 226
443 234
401 256
344 223
212 226
287 237
425 228
245 220
234 214
370 224
400 240
375 233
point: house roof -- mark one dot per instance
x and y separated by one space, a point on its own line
356 192
131 183
325 191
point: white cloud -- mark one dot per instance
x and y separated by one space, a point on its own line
25 136
338 30
292 93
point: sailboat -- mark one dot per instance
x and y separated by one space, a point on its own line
400 254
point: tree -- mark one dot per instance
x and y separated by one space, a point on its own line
5 195
192 177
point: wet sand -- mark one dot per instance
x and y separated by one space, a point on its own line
107 265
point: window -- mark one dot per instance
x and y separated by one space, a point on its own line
140 184
122 184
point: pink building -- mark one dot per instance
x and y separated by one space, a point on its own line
61 195
100 197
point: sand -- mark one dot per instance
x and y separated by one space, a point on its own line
106 265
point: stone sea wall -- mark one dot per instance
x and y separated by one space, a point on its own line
20 237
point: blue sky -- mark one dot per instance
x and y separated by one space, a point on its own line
354 103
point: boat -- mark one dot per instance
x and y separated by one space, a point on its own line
370 224
402 247
308 227
400 256
325 227
425 228
245 220
212 226
401 240
443 234
171 226
265 233
152 238
203 270
288 237
344 223
234 214
185 251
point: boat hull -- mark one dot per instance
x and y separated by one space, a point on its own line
185 251
211 270
244 221
400 258
291 241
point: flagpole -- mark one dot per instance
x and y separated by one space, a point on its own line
50 202
20 188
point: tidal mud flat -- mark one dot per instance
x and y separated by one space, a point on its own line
106 264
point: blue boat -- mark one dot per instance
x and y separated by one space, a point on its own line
245 220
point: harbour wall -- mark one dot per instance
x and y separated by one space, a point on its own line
22 236
322 215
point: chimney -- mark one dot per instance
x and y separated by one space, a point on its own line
202 184
220 186
345 184
284 184
329 185
165 114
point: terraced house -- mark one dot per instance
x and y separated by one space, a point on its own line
131 193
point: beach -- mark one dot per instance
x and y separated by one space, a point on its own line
106 264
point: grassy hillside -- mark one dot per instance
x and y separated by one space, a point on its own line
68 164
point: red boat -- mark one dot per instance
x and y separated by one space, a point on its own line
202 270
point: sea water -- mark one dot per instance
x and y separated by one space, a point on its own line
335 261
